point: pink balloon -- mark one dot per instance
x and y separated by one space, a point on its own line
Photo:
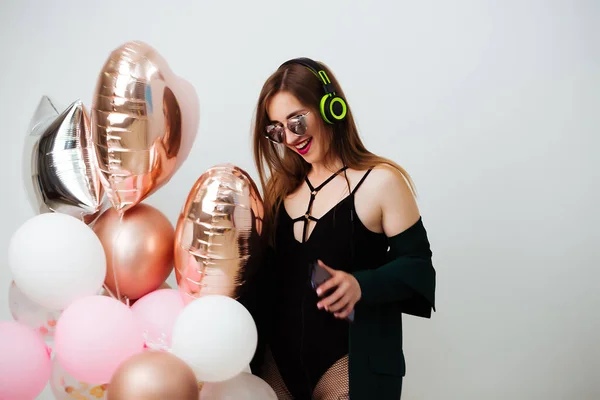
25 365
156 313
94 335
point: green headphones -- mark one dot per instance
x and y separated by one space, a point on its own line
333 108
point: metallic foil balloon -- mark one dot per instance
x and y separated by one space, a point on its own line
59 164
153 375
144 123
139 250
28 312
219 244
65 387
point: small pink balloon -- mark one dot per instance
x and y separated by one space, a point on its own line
25 365
94 335
156 314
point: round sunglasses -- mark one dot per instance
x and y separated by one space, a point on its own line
275 131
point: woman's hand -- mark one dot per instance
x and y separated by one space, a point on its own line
346 294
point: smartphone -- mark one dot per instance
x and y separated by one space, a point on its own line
319 275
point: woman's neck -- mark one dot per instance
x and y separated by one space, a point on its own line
323 170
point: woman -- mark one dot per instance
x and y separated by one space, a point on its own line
330 202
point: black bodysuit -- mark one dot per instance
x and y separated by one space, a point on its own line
307 341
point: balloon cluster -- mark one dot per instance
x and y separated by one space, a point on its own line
93 315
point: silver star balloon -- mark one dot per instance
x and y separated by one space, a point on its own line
59 164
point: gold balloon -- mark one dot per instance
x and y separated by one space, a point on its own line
153 375
144 121
139 250
219 243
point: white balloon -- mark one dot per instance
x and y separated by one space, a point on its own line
216 336
244 386
55 259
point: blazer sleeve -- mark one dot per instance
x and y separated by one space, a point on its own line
259 303
408 277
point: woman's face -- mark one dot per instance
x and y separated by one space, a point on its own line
286 112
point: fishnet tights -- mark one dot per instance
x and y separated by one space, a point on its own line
333 385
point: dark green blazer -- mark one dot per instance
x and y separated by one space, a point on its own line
404 285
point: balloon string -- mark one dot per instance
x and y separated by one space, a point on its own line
110 293
114 257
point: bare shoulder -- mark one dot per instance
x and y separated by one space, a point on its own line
399 208
384 174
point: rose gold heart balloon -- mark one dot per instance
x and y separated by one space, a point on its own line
219 241
144 123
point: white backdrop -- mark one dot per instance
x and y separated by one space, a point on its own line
491 106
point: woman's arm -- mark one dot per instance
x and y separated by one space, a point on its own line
409 276
395 200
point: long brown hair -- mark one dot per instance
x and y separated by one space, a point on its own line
282 170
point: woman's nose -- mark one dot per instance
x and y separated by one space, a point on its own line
291 138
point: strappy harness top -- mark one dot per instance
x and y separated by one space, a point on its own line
313 194
307 341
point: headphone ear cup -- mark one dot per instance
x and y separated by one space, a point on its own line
333 108
324 107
